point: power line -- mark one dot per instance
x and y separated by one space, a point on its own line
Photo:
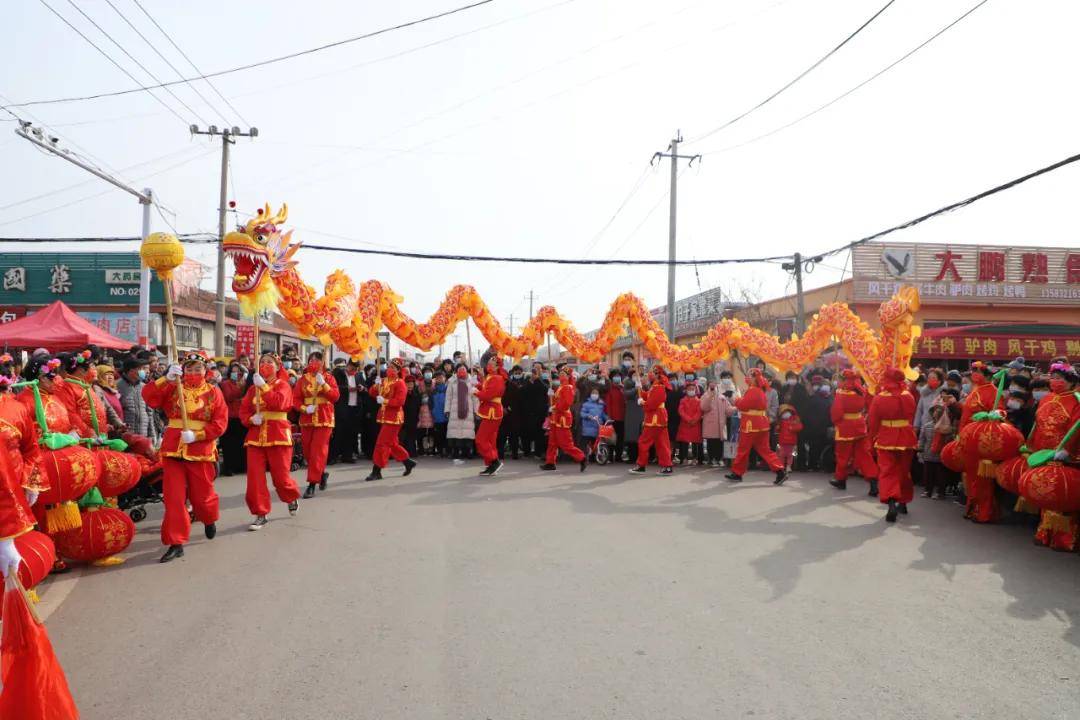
797 78
260 63
189 61
865 82
165 59
107 57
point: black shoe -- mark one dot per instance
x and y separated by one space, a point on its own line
873 488
547 466
584 464
732 477
309 491
492 468
666 471
174 551
839 484
322 482
781 476
210 531
409 464
929 494
294 507
891 515
903 508
375 474
637 470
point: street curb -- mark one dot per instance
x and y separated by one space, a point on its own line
55 590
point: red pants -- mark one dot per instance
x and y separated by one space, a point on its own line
316 444
658 436
981 504
562 439
894 476
864 460
487 440
758 441
277 459
185 481
387 445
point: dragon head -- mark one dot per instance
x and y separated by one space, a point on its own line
260 252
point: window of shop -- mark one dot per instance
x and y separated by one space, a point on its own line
189 335
230 344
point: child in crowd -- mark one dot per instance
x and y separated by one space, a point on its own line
592 417
944 431
787 437
689 433
930 453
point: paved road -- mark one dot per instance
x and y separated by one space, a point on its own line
552 596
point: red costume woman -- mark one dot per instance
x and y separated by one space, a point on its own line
390 395
1054 417
654 430
754 430
19 436
265 413
490 412
188 450
891 412
981 504
849 418
85 408
560 424
314 395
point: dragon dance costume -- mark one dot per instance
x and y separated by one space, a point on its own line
560 425
490 412
314 395
891 412
264 411
390 394
754 430
852 441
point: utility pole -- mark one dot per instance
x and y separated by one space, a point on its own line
227 135
511 324
531 304
673 153
27 131
797 267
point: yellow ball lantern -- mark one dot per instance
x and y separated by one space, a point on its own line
162 252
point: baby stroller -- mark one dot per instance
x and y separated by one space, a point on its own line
605 440
148 490
297 450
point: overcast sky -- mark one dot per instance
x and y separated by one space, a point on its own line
525 135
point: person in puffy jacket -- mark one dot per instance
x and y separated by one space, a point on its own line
438 412
787 434
715 411
593 415
689 433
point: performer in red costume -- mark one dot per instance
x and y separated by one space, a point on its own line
490 394
981 504
890 426
189 456
19 435
84 407
754 430
269 446
654 430
314 395
560 424
849 418
390 395
1056 414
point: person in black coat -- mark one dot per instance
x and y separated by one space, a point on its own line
369 427
674 397
794 393
534 405
817 420
512 425
411 409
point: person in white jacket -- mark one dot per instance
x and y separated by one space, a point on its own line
461 406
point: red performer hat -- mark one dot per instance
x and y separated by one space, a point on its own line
758 378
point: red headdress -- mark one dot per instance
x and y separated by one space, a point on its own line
893 379
851 379
757 378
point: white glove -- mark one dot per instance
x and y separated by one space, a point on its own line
637 383
1061 455
259 380
9 557
310 409
380 399
320 380
256 419
187 436
174 373
74 434
551 393
31 497
641 401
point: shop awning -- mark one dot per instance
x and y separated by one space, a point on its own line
57 327
1000 341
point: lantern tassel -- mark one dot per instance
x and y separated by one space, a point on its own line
109 561
1055 522
32 596
61 517
987 469
1023 505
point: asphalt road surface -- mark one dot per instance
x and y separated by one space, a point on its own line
555 596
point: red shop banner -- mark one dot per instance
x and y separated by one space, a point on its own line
245 340
997 347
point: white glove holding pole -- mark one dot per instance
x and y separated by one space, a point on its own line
320 380
174 372
380 399
187 436
641 401
310 409
31 497
256 419
9 557
1061 455
259 380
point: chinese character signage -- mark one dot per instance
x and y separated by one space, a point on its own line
76 278
122 325
979 346
245 340
968 274
11 312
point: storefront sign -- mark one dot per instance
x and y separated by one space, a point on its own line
245 340
11 312
75 278
996 347
968 274
123 325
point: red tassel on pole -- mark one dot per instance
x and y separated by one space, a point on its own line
34 686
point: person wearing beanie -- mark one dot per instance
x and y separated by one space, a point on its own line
490 394
894 439
390 397
105 389
313 396
852 444
655 430
754 430
188 450
269 445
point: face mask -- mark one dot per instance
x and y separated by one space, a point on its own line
1013 404
292 380
791 381
516 376
556 383
462 374
234 376
193 379
816 388
626 363
594 397
267 370
142 374
427 376
933 383
616 378
966 387
825 389
1058 386
382 368
978 378
287 364
1040 394
691 393
786 415
1015 388
690 378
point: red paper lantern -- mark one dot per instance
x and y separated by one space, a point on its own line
105 531
989 440
1052 486
119 472
1009 472
952 456
38 555
70 473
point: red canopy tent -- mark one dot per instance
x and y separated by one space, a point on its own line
57 327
